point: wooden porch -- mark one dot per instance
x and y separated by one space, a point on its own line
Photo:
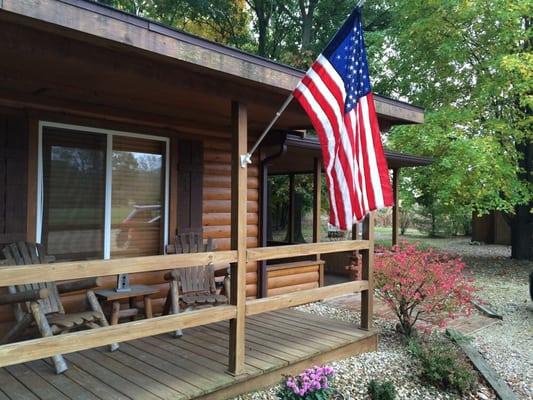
162 367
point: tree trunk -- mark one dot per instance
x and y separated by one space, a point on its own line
522 222
522 234
307 16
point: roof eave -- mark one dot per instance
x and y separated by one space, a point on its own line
107 23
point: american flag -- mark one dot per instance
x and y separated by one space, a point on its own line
337 95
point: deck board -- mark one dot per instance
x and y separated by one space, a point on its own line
13 388
64 384
37 385
114 379
194 366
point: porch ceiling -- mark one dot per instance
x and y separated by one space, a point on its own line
74 55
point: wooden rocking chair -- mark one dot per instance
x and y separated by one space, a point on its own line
40 303
192 287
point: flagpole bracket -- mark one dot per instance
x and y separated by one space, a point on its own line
245 160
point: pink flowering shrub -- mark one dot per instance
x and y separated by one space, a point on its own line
423 283
312 384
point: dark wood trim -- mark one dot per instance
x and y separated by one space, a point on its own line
33 149
173 191
292 204
396 206
190 186
263 277
317 211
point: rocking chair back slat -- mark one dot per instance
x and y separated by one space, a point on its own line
199 278
22 253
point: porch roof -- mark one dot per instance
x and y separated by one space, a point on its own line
260 82
301 152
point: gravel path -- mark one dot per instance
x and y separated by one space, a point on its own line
507 346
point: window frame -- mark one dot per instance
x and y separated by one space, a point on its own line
73 129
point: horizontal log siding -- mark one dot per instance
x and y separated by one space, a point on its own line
217 203
292 277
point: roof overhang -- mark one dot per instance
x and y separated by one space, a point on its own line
101 24
300 152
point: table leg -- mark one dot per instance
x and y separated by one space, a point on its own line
115 313
148 306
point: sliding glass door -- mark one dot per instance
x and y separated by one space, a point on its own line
102 194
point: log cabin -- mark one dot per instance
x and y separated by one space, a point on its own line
116 135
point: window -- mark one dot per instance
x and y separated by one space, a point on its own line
102 194
290 208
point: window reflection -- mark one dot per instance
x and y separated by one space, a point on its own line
136 200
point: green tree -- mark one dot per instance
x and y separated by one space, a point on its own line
223 21
470 64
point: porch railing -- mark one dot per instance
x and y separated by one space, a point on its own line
29 350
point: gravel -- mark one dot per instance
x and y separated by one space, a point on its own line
507 346
503 286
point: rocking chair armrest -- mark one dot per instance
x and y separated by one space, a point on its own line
82 284
22 297
171 276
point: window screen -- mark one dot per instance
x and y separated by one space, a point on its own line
73 194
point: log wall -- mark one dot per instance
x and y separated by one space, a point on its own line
292 277
217 203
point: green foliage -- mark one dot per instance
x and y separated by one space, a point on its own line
443 366
381 390
224 21
469 63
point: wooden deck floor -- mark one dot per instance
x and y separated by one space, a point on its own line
162 367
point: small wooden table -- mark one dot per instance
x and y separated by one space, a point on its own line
110 295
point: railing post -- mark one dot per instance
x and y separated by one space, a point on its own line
396 207
367 296
239 121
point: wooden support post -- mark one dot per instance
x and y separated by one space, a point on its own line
396 207
367 296
291 209
239 121
317 181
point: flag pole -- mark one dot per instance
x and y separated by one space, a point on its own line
247 158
